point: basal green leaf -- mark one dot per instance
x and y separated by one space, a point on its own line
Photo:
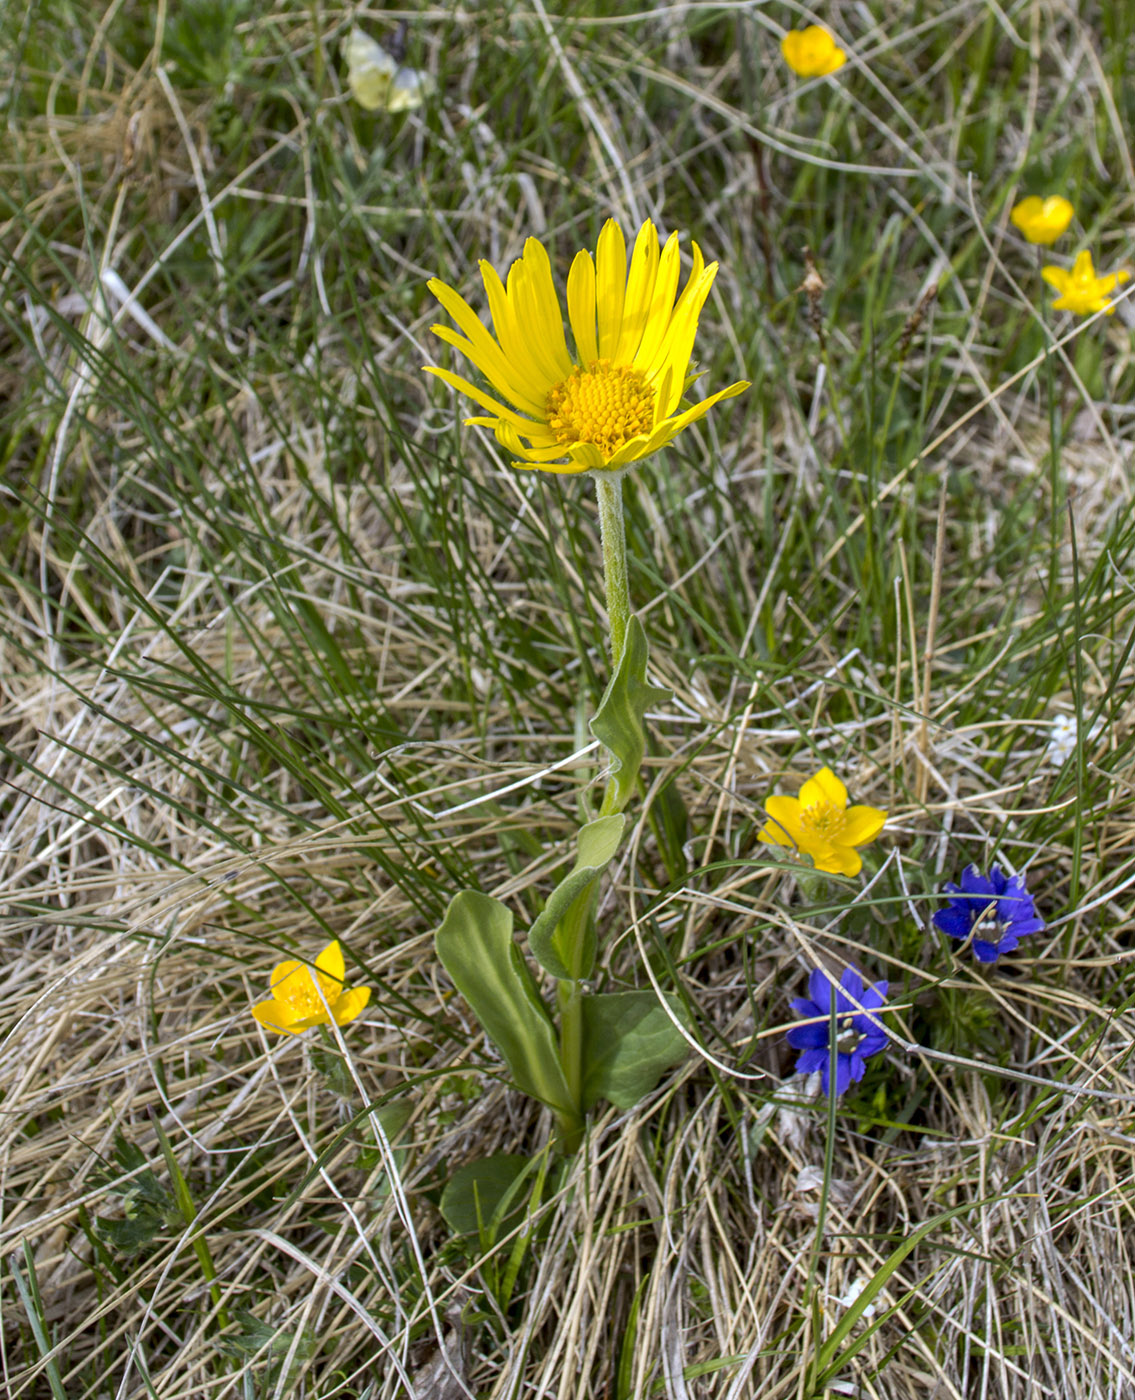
484 1195
563 938
475 946
629 1039
619 721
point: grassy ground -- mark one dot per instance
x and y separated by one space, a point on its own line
287 654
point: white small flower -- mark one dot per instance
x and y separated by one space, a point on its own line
855 1288
1062 741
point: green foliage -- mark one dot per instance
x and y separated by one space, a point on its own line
484 1197
562 938
149 1208
619 722
629 1039
475 946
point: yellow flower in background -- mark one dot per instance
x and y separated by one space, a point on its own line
377 80
820 824
1081 290
812 52
303 997
1042 220
618 396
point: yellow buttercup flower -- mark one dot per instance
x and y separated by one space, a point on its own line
618 397
1081 290
303 997
812 52
1042 220
820 824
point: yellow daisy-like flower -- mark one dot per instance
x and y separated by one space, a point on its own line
1081 290
303 997
812 52
1042 220
618 398
820 824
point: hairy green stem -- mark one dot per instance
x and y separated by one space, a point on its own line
613 536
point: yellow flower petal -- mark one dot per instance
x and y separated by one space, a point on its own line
275 1016
610 286
547 319
783 828
581 307
525 296
330 963
824 787
861 825
512 339
640 294
661 304
478 396
350 1004
838 860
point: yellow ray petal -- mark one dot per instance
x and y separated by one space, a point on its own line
586 456
581 307
537 437
542 457
700 409
526 308
508 331
639 294
661 305
507 376
546 305
493 373
479 396
610 286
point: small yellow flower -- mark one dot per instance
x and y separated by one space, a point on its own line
618 397
812 52
820 824
1042 220
1081 290
303 997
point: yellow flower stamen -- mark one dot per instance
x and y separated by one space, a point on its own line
605 404
300 990
824 818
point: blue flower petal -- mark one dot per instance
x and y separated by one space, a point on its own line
954 921
812 1060
844 1073
805 1037
820 990
985 952
975 884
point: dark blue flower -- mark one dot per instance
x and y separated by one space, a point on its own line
996 910
857 1035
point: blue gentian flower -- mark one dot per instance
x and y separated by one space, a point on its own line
996 910
858 1036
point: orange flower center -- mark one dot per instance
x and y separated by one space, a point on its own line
300 992
824 818
604 404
